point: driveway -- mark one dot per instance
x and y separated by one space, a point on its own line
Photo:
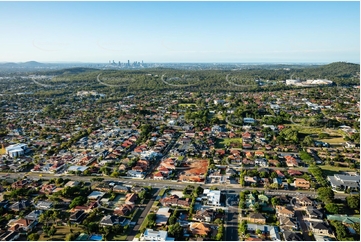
135 229
303 226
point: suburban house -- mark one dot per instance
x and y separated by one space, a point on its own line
292 236
44 205
304 201
23 225
343 182
320 228
162 216
287 212
203 216
130 198
257 218
124 210
271 231
287 223
21 205
213 197
199 229
34 215
301 183
120 189
77 217
152 235
313 212
111 220
250 200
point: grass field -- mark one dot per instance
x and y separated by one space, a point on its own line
61 232
221 143
2 151
333 140
316 131
331 170
187 104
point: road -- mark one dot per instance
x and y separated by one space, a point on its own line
231 217
136 228
166 183
303 226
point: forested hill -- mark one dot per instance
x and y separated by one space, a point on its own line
68 71
338 69
342 73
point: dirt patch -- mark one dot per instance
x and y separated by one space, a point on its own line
196 173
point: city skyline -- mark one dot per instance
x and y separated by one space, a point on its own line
183 32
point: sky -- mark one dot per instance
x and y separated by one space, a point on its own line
97 32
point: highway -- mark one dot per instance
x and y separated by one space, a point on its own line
173 184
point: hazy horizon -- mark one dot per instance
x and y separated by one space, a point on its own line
180 32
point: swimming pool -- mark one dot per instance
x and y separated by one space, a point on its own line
96 237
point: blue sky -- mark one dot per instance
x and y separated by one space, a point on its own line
180 31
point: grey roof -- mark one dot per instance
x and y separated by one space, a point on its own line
318 225
256 216
291 236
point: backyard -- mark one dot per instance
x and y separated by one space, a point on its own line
221 143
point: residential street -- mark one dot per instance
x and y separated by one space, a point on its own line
303 226
136 228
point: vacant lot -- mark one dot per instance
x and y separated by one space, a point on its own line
196 172
236 143
333 140
61 232
331 170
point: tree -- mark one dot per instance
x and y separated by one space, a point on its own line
256 207
218 221
353 202
176 231
275 201
263 174
274 175
33 237
332 208
77 201
258 231
243 227
172 220
325 194
70 237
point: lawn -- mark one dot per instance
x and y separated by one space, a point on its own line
61 232
137 215
161 193
333 140
221 143
331 170
144 224
120 237
187 104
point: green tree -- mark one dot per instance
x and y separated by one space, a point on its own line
33 237
275 201
70 237
243 227
77 201
172 220
176 231
325 194
332 208
353 202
